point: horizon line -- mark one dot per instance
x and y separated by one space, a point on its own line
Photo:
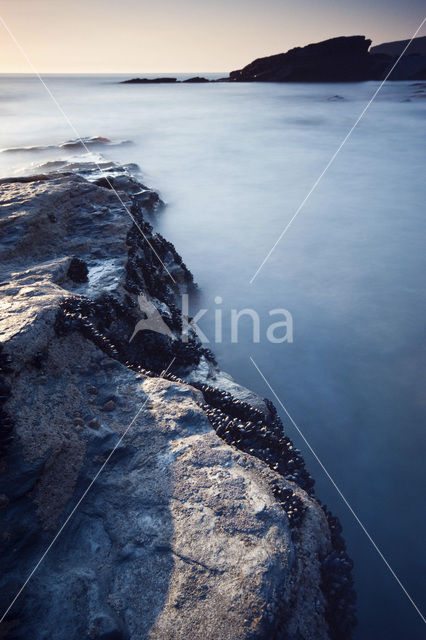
133 73
88 73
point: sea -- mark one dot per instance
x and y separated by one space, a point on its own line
235 164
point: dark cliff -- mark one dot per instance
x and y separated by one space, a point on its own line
343 59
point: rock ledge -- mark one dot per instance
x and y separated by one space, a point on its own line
203 523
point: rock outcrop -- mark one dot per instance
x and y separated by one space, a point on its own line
193 80
335 60
343 59
159 80
196 79
200 520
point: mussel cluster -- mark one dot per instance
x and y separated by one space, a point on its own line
338 584
77 270
290 502
247 429
74 314
109 323
146 254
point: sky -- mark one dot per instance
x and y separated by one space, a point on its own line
157 36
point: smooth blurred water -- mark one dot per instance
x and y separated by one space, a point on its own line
233 163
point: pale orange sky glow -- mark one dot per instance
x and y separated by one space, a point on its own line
136 36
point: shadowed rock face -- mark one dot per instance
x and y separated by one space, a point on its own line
343 59
203 523
335 60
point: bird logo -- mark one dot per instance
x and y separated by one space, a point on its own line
153 321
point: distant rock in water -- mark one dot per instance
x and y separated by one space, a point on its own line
68 145
149 81
196 79
343 59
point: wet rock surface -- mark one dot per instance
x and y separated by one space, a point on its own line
203 523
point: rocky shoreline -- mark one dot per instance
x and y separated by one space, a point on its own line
204 523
